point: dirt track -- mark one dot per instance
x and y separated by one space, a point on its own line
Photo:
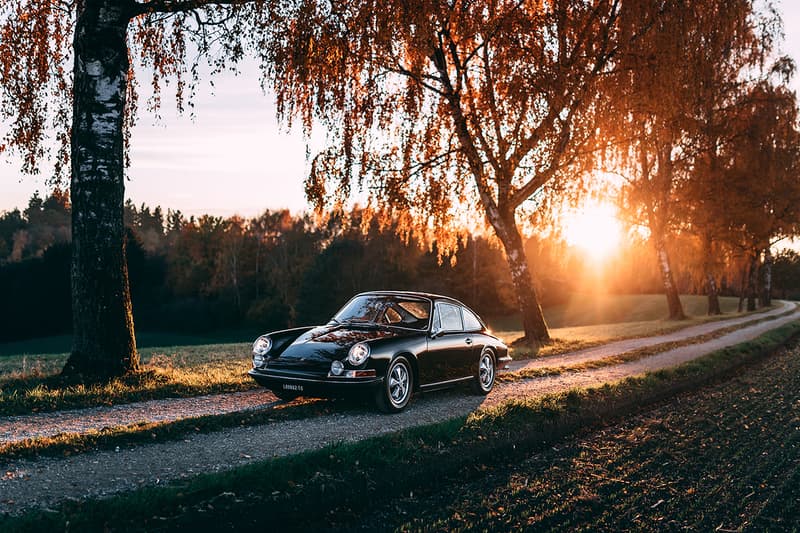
45 482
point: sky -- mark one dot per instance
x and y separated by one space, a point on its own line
233 157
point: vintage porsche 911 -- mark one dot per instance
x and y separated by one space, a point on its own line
388 344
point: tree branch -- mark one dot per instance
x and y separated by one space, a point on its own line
181 6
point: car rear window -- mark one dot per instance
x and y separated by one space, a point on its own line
471 322
450 317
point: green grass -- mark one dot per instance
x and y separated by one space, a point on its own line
29 383
60 344
646 318
371 482
592 309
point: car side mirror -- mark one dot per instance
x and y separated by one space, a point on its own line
435 332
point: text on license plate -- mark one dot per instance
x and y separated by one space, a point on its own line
290 386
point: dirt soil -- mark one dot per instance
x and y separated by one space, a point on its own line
724 458
45 482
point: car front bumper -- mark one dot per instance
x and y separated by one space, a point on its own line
305 384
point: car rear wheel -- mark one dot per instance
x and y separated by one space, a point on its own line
484 377
396 391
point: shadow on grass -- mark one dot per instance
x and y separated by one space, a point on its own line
36 393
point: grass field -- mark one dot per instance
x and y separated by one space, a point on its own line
28 380
31 383
724 456
592 309
60 344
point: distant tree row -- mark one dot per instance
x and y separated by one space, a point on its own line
213 273
437 112
201 274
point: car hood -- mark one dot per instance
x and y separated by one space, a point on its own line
323 344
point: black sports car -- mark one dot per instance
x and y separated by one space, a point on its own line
389 344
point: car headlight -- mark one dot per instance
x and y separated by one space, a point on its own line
261 346
358 354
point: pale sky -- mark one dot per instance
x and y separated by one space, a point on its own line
233 157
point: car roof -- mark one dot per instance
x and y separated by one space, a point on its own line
428 295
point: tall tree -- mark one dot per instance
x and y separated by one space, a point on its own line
436 109
721 69
683 71
764 197
65 66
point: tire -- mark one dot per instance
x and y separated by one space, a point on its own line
397 388
483 380
285 395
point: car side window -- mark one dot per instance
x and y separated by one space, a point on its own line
471 322
392 316
449 317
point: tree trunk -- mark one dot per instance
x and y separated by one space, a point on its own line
670 289
766 290
533 321
713 295
103 340
711 282
752 282
743 289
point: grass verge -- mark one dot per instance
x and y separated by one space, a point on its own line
633 355
346 480
35 386
570 339
30 383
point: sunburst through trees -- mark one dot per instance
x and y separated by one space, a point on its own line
437 111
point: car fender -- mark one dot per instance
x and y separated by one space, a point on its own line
383 351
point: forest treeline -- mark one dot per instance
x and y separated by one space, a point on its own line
207 273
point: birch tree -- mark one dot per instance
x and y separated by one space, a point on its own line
67 84
439 111
763 200
722 69
669 87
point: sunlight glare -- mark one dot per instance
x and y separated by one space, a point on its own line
593 228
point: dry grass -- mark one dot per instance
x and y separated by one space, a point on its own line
710 453
570 339
31 383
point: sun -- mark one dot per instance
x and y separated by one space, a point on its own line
593 227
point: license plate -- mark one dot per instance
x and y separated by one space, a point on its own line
292 387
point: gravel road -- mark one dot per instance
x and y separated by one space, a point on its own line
629 345
19 428
47 481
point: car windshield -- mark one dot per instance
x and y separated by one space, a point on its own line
401 311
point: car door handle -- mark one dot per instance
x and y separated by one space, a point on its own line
468 341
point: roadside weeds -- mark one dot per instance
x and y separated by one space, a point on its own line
350 476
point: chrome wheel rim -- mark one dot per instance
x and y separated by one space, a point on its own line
398 384
486 371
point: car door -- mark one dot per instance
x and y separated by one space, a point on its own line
449 348
473 330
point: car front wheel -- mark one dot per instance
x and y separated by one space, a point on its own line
484 377
396 391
